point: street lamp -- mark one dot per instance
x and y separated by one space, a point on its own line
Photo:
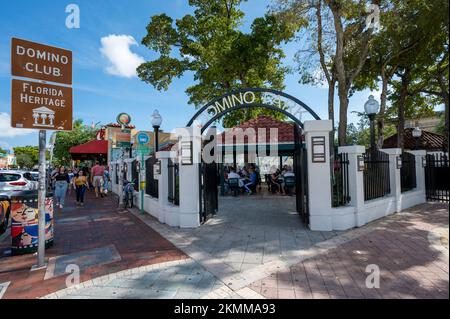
156 123
417 134
372 107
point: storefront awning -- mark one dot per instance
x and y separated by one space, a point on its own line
93 147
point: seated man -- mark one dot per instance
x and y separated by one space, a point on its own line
233 181
252 182
288 180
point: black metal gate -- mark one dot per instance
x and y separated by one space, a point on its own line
436 177
151 184
301 176
209 192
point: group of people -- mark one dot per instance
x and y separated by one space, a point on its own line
245 179
80 179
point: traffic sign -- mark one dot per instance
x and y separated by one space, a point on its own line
143 138
41 106
40 62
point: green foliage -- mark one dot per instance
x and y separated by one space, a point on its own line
27 156
359 133
2 151
65 140
210 44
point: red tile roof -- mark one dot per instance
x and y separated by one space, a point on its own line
428 141
285 131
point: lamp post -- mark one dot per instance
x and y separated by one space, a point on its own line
156 123
417 134
371 108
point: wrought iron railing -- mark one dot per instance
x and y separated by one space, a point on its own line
376 175
151 184
408 172
135 174
174 183
437 175
339 181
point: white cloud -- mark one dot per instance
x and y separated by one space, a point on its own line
7 131
123 62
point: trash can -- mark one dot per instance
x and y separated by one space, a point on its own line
25 222
5 211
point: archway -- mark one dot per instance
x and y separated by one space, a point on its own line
270 99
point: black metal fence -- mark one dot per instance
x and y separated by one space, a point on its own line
135 174
376 175
151 184
408 172
117 174
174 183
437 175
339 181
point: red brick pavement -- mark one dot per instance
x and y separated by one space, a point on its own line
399 246
104 225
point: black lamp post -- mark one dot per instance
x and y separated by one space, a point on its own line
372 107
417 134
156 123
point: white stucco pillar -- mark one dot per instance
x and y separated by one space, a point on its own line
420 170
319 179
394 175
355 181
189 178
163 189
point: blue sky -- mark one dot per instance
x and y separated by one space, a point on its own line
99 95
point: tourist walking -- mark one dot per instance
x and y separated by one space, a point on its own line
61 183
97 178
106 180
81 184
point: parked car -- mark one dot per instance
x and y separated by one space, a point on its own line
5 211
17 181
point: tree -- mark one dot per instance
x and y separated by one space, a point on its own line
340 42
2 151
210 44
27 156
65 140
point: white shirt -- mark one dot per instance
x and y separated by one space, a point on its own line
233 175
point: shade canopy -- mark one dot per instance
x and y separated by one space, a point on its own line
95 147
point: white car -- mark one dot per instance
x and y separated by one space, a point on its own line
17 181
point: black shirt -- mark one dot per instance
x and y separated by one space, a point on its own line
62 177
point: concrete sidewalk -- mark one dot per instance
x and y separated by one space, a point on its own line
99 239
410 249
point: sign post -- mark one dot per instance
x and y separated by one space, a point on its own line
122 140
143 142
38 105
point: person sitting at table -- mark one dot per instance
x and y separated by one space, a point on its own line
288 174
234 184
274 180
252 182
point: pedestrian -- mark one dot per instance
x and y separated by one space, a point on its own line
71 184
106 180
97 178
61 184
81 184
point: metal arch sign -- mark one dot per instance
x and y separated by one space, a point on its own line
253 97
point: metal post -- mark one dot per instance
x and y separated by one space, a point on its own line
41 199
372 131
141 185
121 176
156 129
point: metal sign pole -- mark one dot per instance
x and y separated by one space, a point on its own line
121 166
141 184
41 199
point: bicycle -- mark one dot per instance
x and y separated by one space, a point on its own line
127 193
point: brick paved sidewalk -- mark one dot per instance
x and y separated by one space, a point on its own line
99 238
410 249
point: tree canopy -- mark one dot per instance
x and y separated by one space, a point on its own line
65 140
211 44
